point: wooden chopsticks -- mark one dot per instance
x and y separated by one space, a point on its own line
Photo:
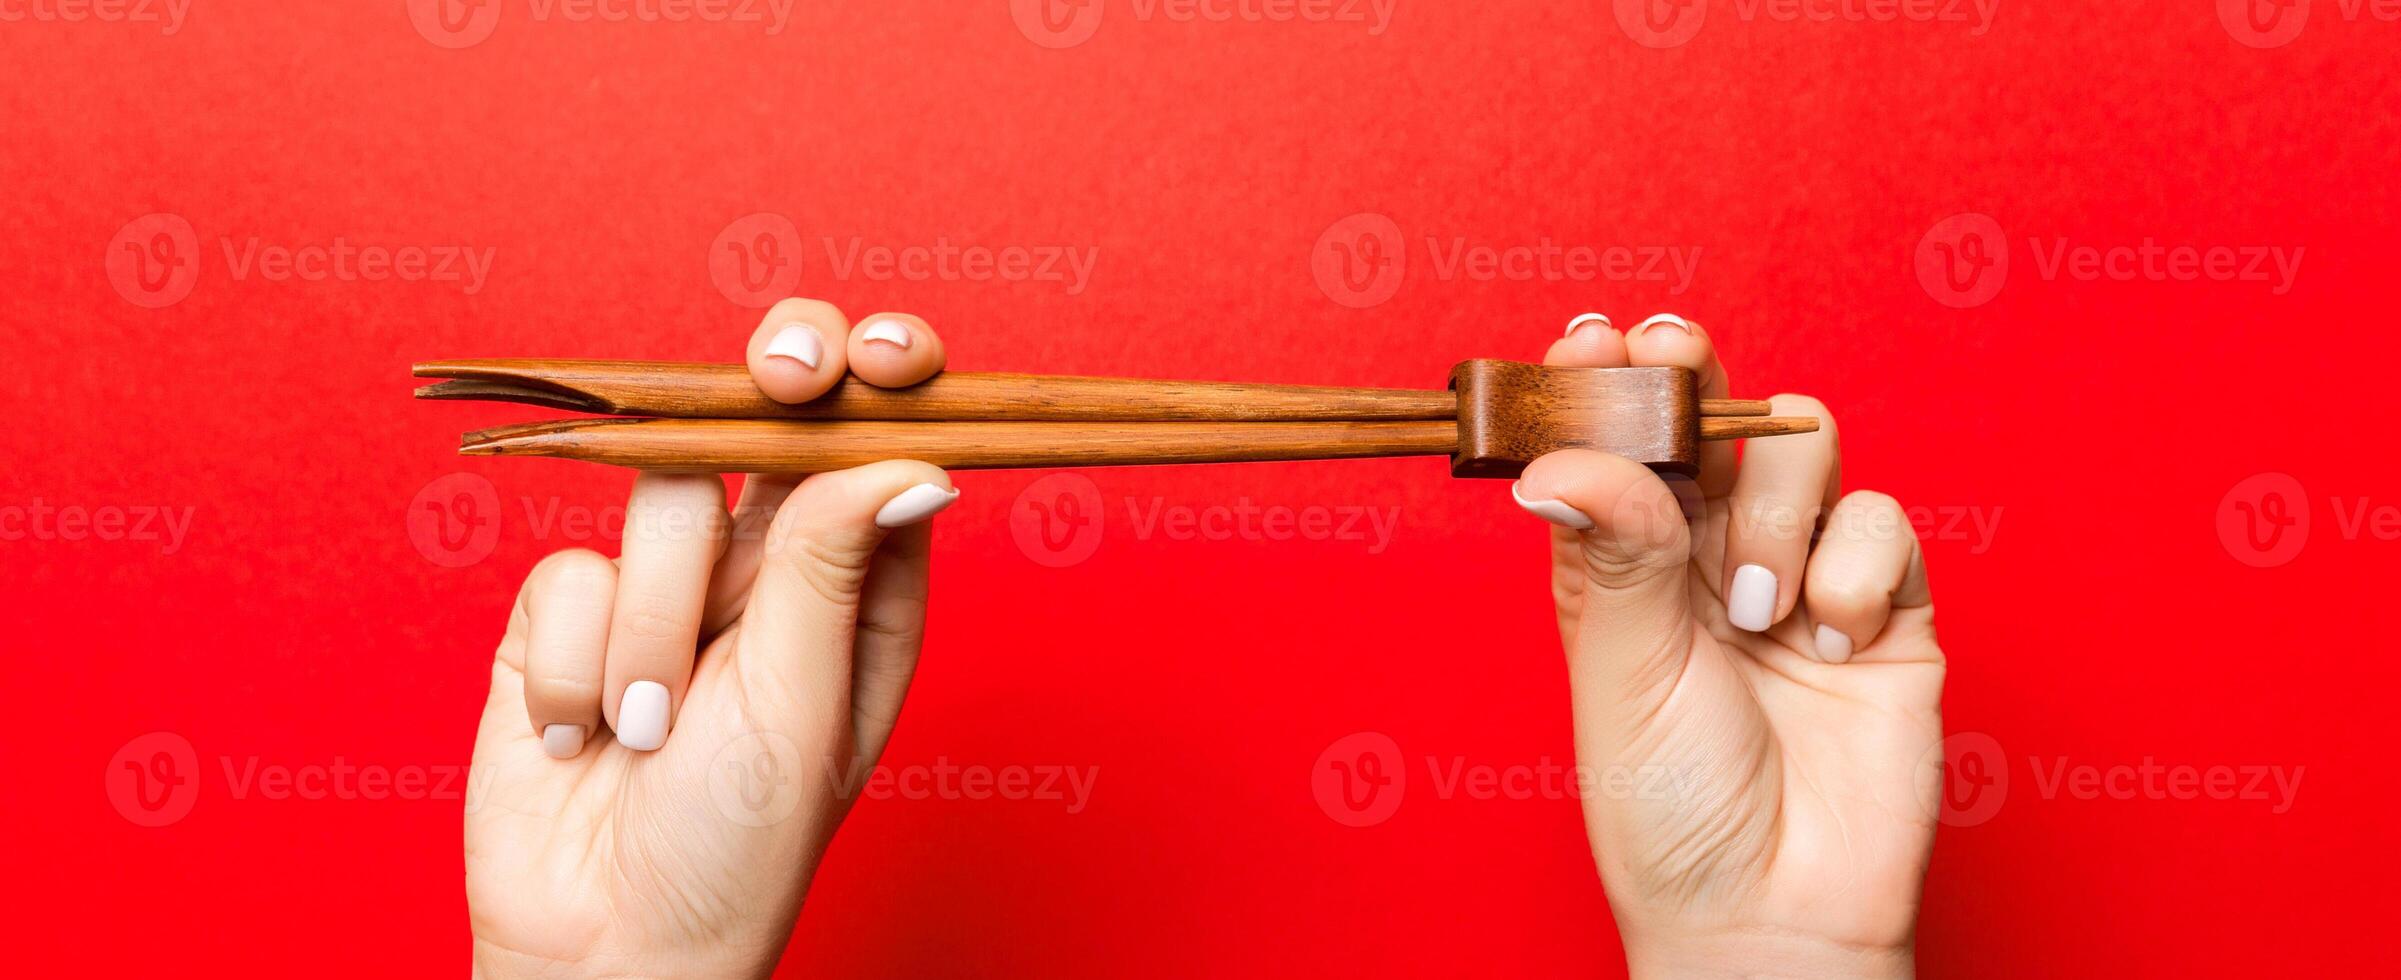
711 418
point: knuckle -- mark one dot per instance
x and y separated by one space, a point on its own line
562 690
1844 594
1794 403
652 619
1873 503
575 570
834 571
1620 568
802 307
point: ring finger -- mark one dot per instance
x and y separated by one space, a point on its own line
1784 484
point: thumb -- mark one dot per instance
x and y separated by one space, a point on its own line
1635 625
799 633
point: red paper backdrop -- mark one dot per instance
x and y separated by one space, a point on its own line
2126 600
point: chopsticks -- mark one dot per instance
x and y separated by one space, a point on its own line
681 417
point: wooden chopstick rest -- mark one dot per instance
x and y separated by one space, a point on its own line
1497 417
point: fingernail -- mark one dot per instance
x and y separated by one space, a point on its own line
1833 646
1751 603
915 504
1665 320
798 342
563 741
1554 511
642 716
889 331
1573 325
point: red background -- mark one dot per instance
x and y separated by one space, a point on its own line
2097 426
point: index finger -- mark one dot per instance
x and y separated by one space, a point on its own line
1668 340
799 351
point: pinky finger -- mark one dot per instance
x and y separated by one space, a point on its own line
1866 565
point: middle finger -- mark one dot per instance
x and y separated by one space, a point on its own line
674 529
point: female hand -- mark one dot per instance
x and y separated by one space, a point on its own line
668 733
1767 693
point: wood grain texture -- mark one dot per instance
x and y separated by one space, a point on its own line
1500 416
1511 414
783 446
1716 429
666 389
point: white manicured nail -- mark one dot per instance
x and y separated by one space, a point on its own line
1833 646
800 343
1588 318
563 741
642 716
915 504
1751 604
1554 511
889 331
1665 320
